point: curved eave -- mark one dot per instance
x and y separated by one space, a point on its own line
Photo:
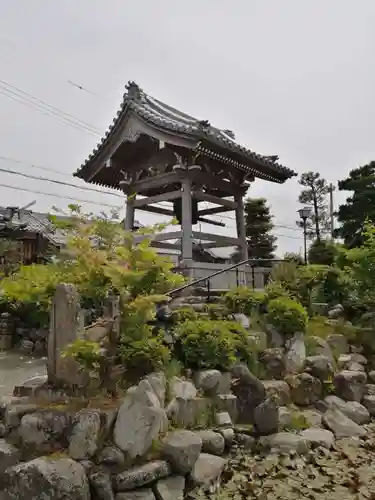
166 119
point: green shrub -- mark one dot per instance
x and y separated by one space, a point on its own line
207 344
184 314
287 315
275 290
323 253
144 354
243 300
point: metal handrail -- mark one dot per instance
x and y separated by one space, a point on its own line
208 278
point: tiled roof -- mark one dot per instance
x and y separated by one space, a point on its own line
169 119
34 222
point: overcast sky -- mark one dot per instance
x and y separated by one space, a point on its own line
289 77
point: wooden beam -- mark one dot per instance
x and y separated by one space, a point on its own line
206 246
157 210
201 196
210 221
212 179
173 235
215 238
172 195
167 246
154 182
214 210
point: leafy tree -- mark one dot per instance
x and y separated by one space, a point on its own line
258 222
101 259
359 207
322 252
294 257
314 194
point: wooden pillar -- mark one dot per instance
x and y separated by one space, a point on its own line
187 227
241 229
130 211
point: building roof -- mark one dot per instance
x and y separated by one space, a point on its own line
39 223
208 140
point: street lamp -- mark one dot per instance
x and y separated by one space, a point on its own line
305 213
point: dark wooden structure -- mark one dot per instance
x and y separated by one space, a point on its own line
155 153
32 233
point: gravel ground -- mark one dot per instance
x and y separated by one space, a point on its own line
15 368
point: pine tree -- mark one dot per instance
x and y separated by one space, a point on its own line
258 223
359 207
315 195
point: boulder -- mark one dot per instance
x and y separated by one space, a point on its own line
312 418
350 385
285 443
305 389
171 488
45 430
318 437
183 389
351 409
47 478
207 471
319 367
250 393
275 339
158 383
228 435
338 344
141 475
295 353
369 403
9 455
181 449
371 376
190 412
13 412
266 417
101 484
273 362
222 419
242 319
319 347
336 312
212 442
278 390
138 425
208 381
370 390
225 383
227 403
285 417
340 424
86 431
110 455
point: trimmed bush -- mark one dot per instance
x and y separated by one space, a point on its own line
287 315
243 300
205 344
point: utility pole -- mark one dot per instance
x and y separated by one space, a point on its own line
331 211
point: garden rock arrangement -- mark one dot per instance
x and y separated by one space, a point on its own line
181 438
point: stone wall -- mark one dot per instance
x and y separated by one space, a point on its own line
166 439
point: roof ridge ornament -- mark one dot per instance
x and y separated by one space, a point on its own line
229 133
133 90
204 125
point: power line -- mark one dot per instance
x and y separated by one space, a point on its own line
55 195
40 167
55 181
18 95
